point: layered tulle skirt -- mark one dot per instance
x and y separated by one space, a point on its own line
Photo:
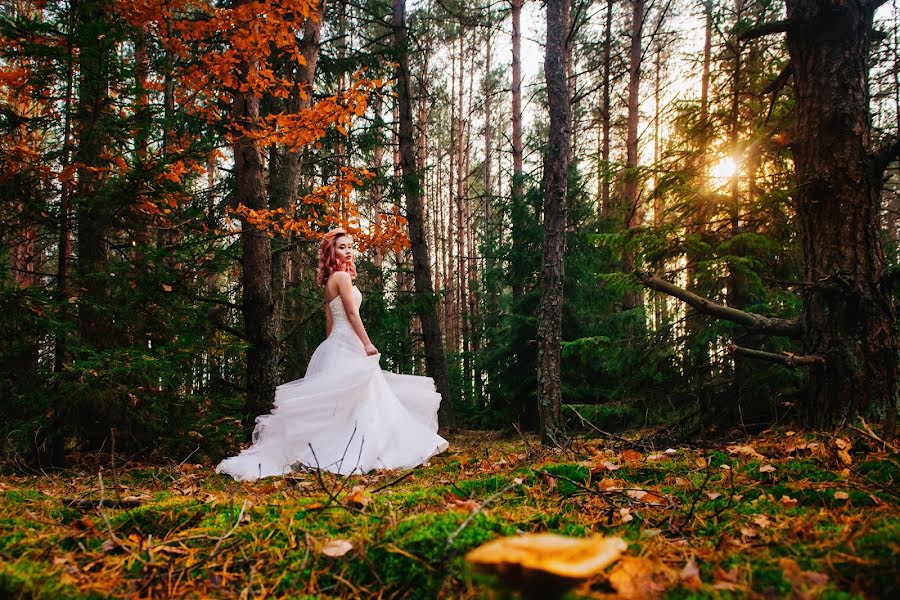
345 416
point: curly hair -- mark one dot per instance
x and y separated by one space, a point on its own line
328 262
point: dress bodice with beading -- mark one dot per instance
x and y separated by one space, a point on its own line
338 314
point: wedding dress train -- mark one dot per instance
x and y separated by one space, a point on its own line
345 416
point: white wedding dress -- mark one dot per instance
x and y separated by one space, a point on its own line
345 416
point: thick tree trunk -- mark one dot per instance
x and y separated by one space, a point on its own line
556 166
93 131
435 359
256 258
849 313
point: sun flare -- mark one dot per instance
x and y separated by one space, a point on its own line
724 169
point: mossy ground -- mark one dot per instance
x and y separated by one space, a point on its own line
778 516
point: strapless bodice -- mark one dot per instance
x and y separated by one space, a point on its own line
336 306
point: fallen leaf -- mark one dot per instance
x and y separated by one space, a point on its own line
789 433
745 451
766 469
841 496
749 532
713 495
841 443
336 548
762 520
625 513
631 456
357 497
788 501
690 576
805 584
670 451
701 462
638 578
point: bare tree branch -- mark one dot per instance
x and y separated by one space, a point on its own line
785 358
885 153
765 29
753 322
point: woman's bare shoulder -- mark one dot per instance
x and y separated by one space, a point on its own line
339 277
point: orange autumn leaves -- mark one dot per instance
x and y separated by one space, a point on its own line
209 54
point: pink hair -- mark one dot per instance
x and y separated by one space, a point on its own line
328 262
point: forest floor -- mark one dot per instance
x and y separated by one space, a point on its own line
784 514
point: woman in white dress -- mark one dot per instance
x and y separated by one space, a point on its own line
346 415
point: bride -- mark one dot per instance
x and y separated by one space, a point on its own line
347 415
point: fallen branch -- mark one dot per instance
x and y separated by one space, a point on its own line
785 358
752 321
871 434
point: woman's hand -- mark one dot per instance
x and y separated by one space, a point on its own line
371 350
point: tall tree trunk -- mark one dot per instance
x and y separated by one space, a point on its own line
604 168
256 257
64 229
286 163
517 214
632 187
850 317
435 359
93 132
556 166
697 353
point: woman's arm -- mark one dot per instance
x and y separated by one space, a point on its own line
345 289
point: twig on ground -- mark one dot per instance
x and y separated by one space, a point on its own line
607 434
393 482
690 515
452 537
871 434
531 449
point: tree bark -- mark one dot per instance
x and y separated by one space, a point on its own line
517 215
435 359
256 257
93 132
632 188
603 168
556 166
850 316
285 165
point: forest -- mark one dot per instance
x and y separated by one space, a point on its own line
647 250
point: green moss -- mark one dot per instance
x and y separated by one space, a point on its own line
576 473
810 469
33 580
22 496
159 519
885 472
769 580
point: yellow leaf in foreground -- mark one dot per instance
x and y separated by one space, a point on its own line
550 554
